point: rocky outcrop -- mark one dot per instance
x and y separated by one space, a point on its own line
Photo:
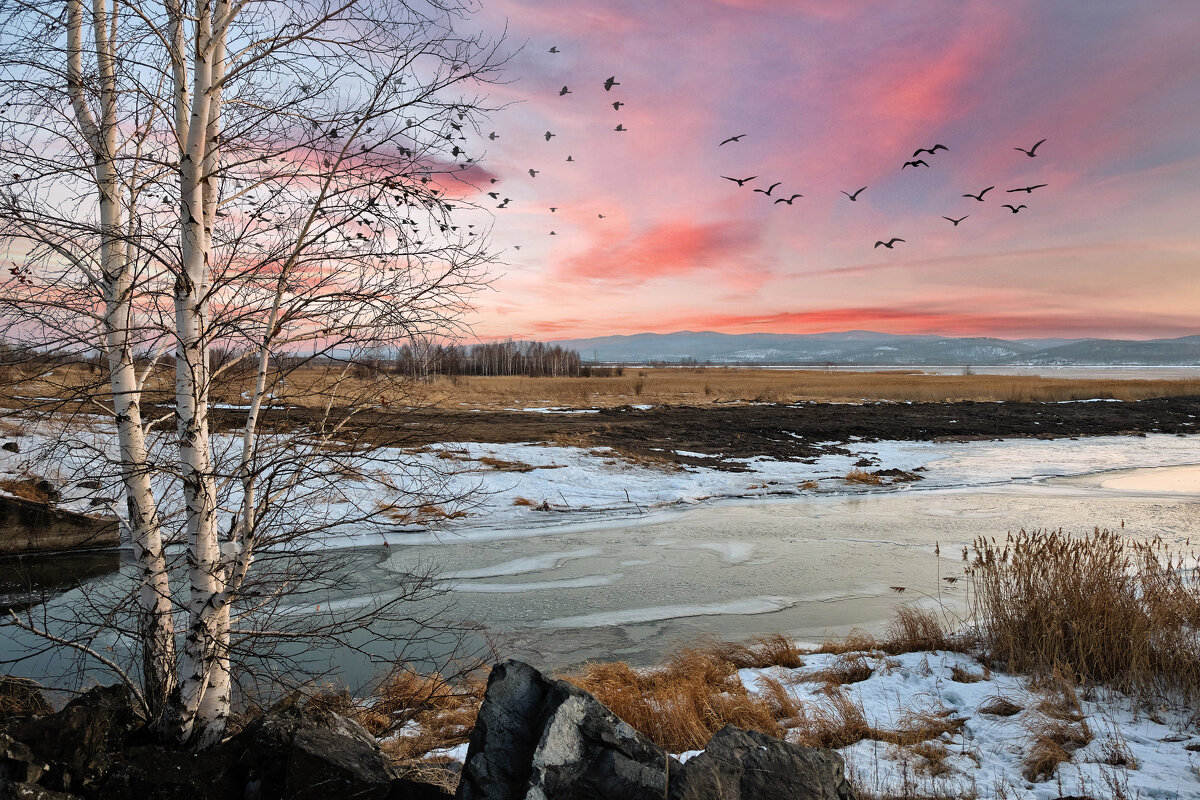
542 739
748 765
27 526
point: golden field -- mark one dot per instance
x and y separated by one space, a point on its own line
315 386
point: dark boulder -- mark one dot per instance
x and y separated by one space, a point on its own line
11 447
18 764
747 765
541 738
97 722
310 755
154 772
408 789
32 791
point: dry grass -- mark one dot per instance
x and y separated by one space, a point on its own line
29 488
1096 608
912 629
314 386
501 465
863 477
1000 707
523 501
731 385
681 704
774 650
1053 741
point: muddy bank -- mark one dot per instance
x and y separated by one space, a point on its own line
744 431
27 526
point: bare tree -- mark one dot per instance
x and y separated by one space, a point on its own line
270 182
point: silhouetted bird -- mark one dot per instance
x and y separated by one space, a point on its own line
1018 208
494 195
979 196
493 136
611 82
550 135
552 233
767 192
505 203
600 216
788 200
553 209
570 158
740 181
533 173
1027 189
956 221
1031 152
617 105
620 128
889 244
920 162
564 90
554 49
737 138
931 150
854 196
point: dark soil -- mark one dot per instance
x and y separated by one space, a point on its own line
782 432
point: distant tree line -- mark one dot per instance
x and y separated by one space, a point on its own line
423 359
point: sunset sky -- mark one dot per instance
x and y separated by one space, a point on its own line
834 95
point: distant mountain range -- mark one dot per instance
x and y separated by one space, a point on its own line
882 349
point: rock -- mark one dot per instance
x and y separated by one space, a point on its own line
11 447
747 765
32 791
18 764
101 719
311 755
154 772
21 697
27 526
538 738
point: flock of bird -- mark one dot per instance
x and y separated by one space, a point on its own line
916 163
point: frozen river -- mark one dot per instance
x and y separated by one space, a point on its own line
632 588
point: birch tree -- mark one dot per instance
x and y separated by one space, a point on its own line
275 183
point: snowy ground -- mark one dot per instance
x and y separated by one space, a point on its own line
987 757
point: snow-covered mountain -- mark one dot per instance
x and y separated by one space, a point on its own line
872 348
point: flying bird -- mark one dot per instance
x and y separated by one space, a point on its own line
1031 152
620 128
611 82
570 158
493 136
600 216
889 244
564 90
494 195
553 209
740 181
931 150
1018 208
920 162
617 105
552 233
788 200
979 196
737 138
956 221
554 49
854 197
533 173
1027 189
550 135
767 192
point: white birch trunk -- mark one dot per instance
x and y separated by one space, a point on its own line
155 623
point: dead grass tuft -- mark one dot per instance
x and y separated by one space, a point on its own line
960 674
1000 707
863 477
500 465
1097 608
523 501
30 488
774 650
681 704
915 629
1054 741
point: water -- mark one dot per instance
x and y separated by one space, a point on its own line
809 569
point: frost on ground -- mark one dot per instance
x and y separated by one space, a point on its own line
482 488
1116 746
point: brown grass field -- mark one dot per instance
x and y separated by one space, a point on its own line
311 387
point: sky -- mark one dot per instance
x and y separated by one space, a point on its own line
834 95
